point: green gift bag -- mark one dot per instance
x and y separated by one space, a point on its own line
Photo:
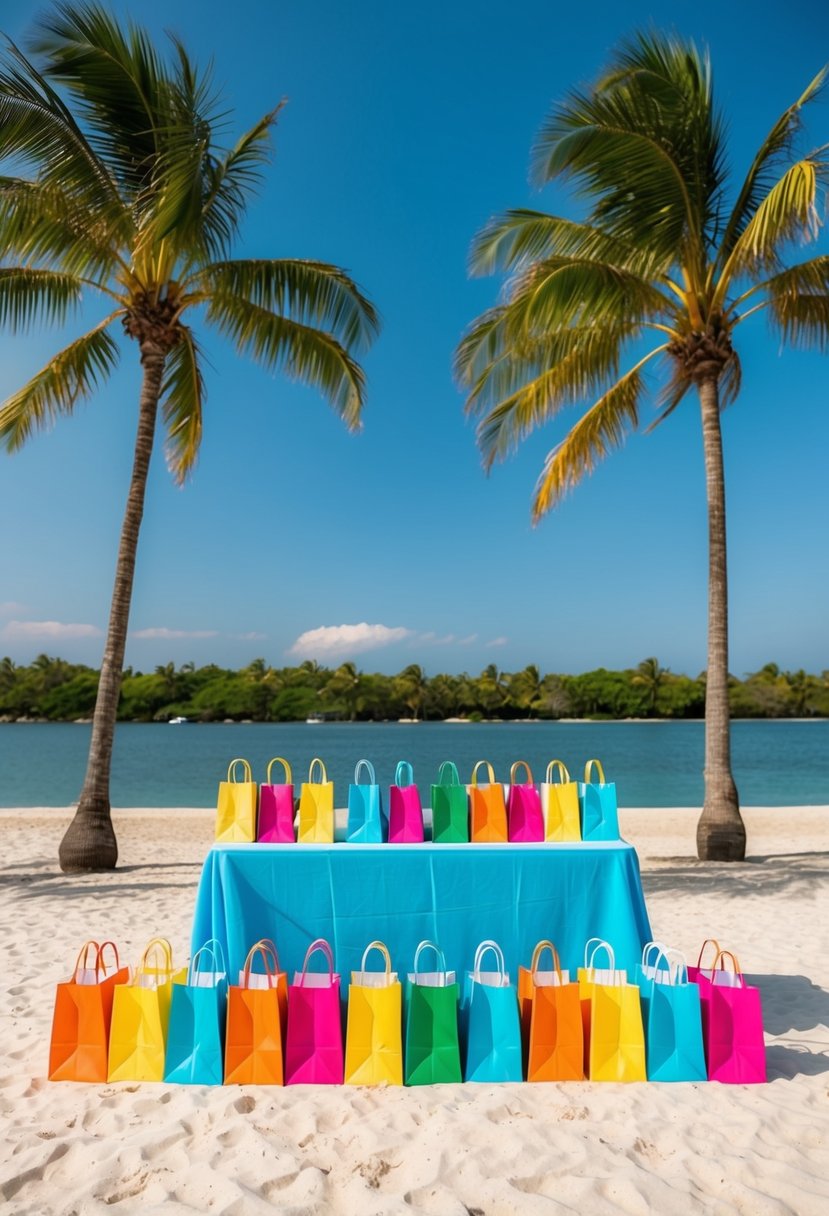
450 810
432 1049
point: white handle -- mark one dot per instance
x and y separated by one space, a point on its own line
322 945
441 959
496 950
611 957
383 950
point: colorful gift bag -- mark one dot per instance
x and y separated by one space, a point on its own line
671 1017
366 821
140 1016
560 804
526 822
597 800
551 1020
82 1016
450 823
432 1047
614 1036
236 806
735 1048
487 810
491 1022
256 1010
314 1049
276 808
195 1034
316 807
374 1040
405 811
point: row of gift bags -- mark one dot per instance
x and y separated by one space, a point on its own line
193 1026
557 809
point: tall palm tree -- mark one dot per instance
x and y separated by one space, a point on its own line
650 676
668 250
124 193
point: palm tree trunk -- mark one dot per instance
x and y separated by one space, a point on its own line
89 842
721 834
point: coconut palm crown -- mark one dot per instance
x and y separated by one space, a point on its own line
122 188
669 260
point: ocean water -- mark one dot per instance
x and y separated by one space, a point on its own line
653 763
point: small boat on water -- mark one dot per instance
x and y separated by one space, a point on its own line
177 721
314 719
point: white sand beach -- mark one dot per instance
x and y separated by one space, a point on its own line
448 1150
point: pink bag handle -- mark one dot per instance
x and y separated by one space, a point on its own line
521 764
322 945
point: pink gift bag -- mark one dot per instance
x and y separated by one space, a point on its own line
735 1049
276 808
314 1049
524 814
405 811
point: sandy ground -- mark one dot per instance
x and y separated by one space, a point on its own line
448 1150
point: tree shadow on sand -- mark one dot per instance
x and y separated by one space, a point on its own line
778 873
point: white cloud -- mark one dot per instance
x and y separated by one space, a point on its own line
497 642
168 635
253 636
432 639
11 608
50 630
469 639
346 639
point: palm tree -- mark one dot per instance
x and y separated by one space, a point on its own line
345 685
525 688
412 687
650 677
122 192
669 250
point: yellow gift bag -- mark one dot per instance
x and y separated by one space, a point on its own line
140 1014
236 807
560 804
316 808
374 1035
614 1036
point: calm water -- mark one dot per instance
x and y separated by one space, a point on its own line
653 764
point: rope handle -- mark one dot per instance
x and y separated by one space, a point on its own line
738 971
587 770
537 953
289 780
439 955
564 775
155 945
369 767
265 950
483 949
649 948
521 764
323 771
100 965
709 941
321 945
83 958
601 945
454 779
403 768
381 946
214 948
680 969
490 773
231 770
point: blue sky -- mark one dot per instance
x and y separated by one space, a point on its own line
406 127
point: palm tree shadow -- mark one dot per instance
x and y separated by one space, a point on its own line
778 873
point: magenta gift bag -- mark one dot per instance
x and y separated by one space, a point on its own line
405 811
276 808
524 815
735 1049
314 1047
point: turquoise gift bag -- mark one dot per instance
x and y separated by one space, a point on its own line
366 821
491 1023
597 804
195 1034
672 1017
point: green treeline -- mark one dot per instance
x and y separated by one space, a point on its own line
57 691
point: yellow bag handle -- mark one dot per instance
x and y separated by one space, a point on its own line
562 772
587 769
288 776
383 948
83 957
231 770
157 944
539 950
490 772
323 770
521 764
709 941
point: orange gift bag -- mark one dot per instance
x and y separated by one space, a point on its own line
551 1020
487 809
256 1021
82 1017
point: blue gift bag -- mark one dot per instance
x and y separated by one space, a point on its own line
672 1018
492 1028
366 819
597 804
195 1035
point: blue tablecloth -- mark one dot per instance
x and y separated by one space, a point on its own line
456 895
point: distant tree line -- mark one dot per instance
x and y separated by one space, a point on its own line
52 689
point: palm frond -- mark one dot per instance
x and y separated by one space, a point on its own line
302 352
802 319
480 345
41 224
569 290
71 376
311 293
182 398
596 433
517 237
28 295
230 182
